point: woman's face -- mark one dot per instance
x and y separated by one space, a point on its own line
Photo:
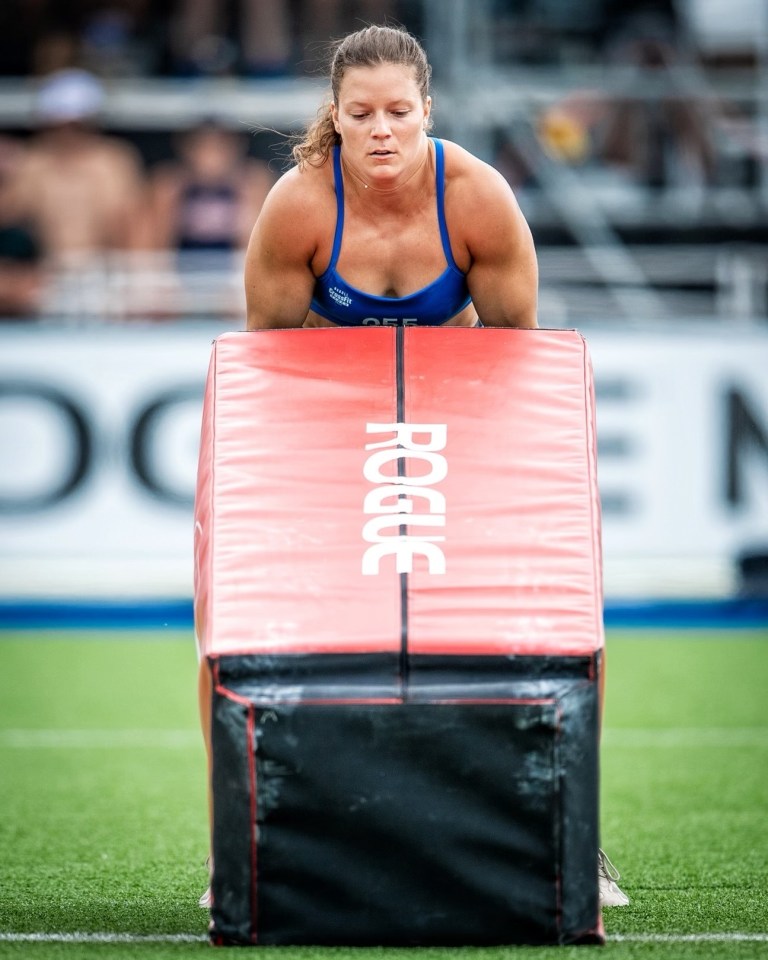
381 118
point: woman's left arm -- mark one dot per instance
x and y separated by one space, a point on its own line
503 276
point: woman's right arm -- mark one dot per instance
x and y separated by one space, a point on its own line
278 273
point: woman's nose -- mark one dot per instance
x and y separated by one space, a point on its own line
380 126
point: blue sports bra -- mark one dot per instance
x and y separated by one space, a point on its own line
337 301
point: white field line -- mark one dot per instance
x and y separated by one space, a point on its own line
687 937
102 938
164 739
138 938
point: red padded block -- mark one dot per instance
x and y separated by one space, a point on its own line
280 525
280 485
523 572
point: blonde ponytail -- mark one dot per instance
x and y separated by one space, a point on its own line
315 145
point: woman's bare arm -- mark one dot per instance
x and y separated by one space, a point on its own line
503 274
278 274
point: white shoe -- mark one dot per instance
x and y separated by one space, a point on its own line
610 893
206 901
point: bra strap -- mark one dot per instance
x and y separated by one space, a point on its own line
338 182
440 190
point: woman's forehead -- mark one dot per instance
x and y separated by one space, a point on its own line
388 80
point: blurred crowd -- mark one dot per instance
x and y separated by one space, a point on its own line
657 126
71 190
183 38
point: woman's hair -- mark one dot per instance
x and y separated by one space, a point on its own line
368 47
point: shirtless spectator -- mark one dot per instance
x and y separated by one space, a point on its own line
76 189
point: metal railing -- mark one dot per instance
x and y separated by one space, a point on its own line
579 285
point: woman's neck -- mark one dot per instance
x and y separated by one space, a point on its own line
369 191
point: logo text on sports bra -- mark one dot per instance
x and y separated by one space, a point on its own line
390 321
339 296
405 468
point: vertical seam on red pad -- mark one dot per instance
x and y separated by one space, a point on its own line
402 577
252 784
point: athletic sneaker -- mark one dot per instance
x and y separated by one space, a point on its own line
610 893
206 901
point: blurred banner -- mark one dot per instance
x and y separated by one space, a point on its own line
99 432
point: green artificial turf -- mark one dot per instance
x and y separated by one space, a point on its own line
102 795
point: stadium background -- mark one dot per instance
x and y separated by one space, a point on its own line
663 265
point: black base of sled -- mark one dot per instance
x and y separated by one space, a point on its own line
463 814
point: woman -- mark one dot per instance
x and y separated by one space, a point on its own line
377 223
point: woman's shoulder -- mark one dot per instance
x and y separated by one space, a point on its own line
298 209
467 174
302 190
480 203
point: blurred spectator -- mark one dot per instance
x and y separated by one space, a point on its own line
204 43
209 197
54 50
21 271
318 21
518 171
109 37
664 138
21 274
655 128
20 27
119 37
254 38
77 189
266 38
